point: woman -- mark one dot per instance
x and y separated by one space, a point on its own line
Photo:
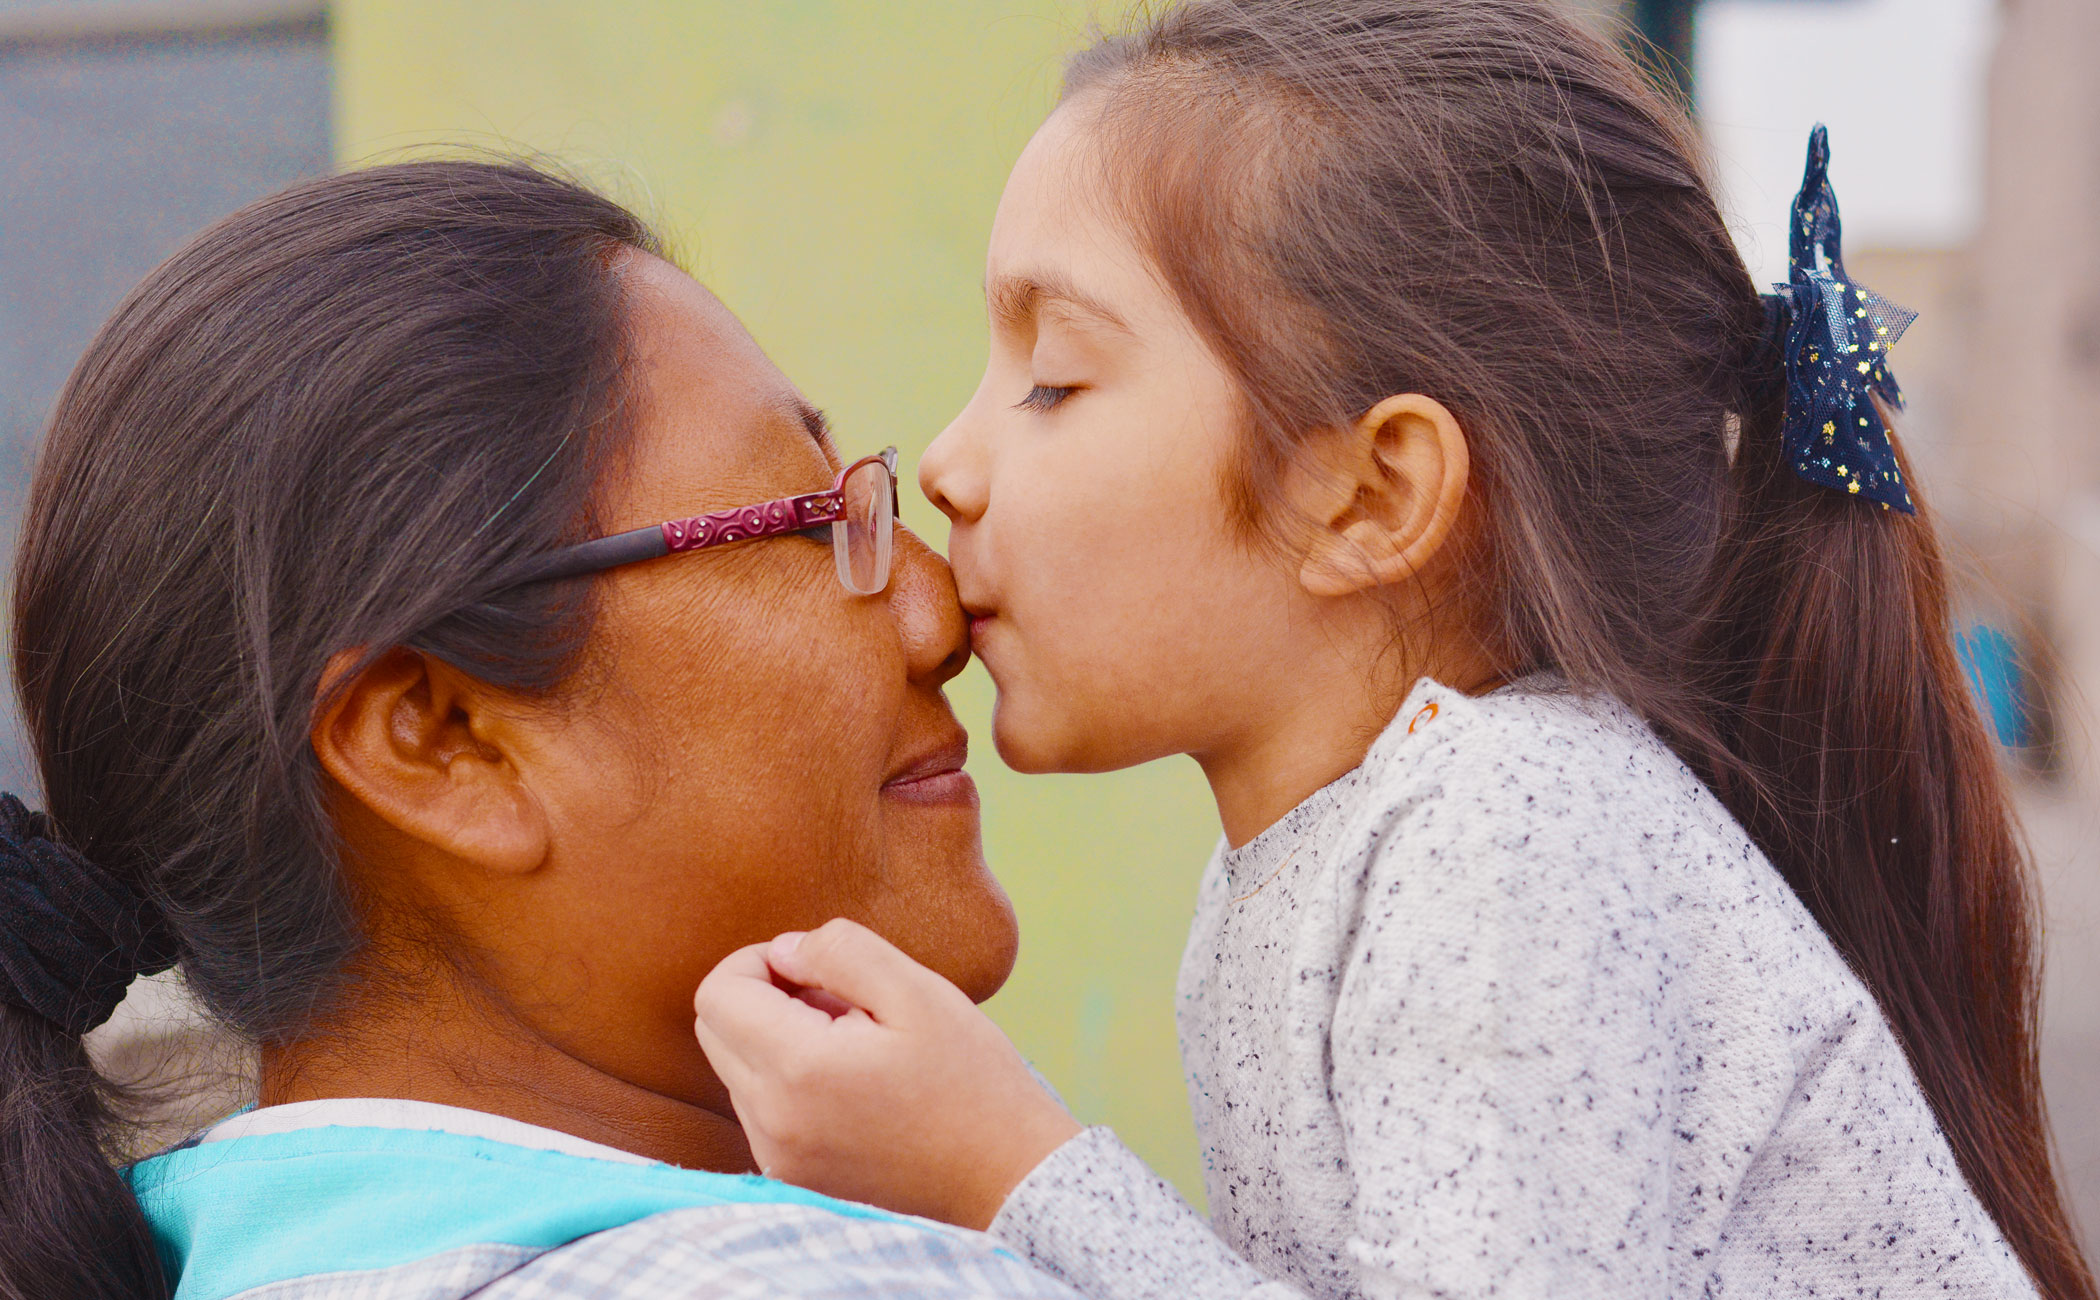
340 708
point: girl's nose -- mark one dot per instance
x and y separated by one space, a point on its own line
930 622
952 472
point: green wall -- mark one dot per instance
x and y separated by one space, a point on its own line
829 168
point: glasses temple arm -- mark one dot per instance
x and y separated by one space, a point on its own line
594 556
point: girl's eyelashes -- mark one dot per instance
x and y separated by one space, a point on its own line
1043 398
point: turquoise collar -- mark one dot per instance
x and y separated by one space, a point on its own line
245 1212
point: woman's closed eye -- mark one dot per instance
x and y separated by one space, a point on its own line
1044 398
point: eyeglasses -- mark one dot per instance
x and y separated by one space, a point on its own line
859 511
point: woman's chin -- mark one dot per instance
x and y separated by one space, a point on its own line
969 938
991 958
939 901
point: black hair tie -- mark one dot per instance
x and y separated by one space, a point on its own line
72 936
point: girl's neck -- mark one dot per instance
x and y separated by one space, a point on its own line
1320 732
454 1050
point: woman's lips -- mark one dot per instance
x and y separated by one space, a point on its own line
941 788
937 778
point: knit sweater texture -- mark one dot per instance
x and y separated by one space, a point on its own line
1516 1009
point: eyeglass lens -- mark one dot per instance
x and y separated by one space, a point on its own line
861 540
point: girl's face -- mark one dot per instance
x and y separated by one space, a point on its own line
1122 612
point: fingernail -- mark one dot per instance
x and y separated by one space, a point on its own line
784 945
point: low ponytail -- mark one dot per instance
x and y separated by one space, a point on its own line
1849 744
70 1228
72 938
1857 760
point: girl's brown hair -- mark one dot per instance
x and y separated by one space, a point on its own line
1483 202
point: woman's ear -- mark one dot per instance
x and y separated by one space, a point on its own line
423 748
1389 499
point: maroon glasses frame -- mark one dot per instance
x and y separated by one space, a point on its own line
812 513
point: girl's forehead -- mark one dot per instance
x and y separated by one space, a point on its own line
1058 252
1049 187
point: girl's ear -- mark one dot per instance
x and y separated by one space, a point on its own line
421 747
1389 499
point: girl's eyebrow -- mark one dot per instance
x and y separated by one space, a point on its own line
1016 300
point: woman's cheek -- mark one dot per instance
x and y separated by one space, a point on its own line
942 906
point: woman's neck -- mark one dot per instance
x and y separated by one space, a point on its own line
438 1046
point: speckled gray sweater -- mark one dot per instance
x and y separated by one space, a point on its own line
1517 1009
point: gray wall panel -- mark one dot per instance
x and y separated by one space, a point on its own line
111 155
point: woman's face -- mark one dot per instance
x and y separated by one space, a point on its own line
1119 608
752 748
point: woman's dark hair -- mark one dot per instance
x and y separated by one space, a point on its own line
1481 201
331 422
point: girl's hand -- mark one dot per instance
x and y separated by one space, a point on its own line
859 1073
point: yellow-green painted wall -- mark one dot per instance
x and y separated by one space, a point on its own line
829 168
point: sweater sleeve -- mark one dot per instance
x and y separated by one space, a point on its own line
1501 1059
1096 1217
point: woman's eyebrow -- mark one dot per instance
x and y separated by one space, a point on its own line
1016 300
813 421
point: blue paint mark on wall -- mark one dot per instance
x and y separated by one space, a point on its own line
1991 659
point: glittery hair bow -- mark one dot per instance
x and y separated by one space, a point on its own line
1836 347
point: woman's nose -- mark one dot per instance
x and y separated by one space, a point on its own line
935 633
951 473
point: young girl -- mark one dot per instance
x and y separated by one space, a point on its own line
1618 895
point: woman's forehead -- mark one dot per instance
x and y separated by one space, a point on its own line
717 420
678 322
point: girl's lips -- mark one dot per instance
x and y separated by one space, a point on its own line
978 624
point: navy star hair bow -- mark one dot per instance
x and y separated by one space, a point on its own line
1836 347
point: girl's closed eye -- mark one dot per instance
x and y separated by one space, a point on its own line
1044 398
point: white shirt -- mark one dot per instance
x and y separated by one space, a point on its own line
1517 1009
